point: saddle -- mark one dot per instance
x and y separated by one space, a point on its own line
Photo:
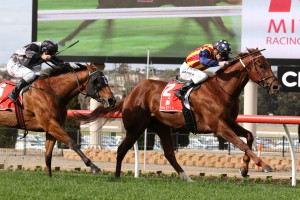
171 103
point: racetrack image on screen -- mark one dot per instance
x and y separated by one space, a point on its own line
112 28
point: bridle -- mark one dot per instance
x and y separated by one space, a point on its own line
255 75
96 81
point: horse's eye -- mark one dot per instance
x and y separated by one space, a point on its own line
261 66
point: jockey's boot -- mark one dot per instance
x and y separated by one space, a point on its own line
14 94
181 92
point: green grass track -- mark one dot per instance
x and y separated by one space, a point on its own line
81 185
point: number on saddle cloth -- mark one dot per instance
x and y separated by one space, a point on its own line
169 102
5 89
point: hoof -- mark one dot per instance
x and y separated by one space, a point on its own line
268 169
95 170
243 172
185 177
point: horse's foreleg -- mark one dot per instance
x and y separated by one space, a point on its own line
83 25
204 23
57 132
72 145
240 131
220 24
49 144
228 134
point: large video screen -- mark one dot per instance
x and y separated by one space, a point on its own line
126 30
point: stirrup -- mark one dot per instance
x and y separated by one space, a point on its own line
179 94
13 97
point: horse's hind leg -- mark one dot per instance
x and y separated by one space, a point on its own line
50 142
165 134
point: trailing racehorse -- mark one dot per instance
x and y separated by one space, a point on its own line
215 106
44 106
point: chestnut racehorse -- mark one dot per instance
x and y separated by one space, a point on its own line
44 106
215 106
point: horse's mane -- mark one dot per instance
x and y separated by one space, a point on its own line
57 70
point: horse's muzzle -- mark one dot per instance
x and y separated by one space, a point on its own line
111 102
275 89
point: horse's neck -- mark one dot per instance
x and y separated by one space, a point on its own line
66 85
232 80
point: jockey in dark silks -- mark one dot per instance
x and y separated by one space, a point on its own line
23 61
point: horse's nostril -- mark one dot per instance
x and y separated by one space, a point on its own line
276 87
112 101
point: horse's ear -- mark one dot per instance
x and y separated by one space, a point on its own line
98 66
247 49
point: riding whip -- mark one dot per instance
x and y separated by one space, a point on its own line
66 48
62 51
240 57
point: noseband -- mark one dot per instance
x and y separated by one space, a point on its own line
256 76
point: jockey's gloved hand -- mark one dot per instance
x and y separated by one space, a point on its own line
223 63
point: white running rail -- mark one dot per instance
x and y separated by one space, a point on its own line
131 13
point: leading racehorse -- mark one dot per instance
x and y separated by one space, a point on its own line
44 106
215 106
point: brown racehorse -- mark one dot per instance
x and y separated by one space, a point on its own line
45 106
215 106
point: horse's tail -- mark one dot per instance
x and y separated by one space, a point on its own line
100 112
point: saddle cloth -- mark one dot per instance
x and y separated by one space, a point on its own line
5 102
169 102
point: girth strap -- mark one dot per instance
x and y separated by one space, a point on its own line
189 119
20 117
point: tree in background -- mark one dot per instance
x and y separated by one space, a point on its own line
289 104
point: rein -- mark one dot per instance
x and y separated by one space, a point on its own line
51 93
79 83
92 89
256 76
222 87
58 96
